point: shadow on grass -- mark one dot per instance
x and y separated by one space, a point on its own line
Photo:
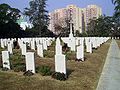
69 71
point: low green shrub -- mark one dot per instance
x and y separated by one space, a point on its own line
19 67
28 73
59 76
17 61
16 58
44 70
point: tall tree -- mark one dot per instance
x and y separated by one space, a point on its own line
103 26
8 26
38 15
8 13
116 18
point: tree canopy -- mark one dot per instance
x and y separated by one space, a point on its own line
38 15
8 26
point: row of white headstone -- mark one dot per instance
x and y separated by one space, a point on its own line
40 43
75 43
29 57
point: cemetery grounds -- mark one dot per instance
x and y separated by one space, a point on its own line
82 75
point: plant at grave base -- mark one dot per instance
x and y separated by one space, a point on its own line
59 76
19 67
28 73
44 70
16 61
5 69
16 58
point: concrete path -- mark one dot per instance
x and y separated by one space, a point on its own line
110 77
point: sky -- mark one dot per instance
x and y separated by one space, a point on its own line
106 5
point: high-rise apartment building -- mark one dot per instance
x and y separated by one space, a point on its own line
91 12
60 15
76 15
80 17
57 17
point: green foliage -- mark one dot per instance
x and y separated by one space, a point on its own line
38 15
8 26
117 8
100 27
44 70
28 73
59 76
17 61
8 13
19 67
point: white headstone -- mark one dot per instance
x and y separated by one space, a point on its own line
5 59
23 49
2 43
33 44
30 62
72 43
44 44
10 47
89 46
60 62
80 52
40 50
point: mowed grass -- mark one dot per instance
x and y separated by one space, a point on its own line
82 75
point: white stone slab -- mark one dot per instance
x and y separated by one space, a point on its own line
30 62
44 44
60 64
2 43
80 52
89 46
5 59
40 50
10 47
33 44
24 49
